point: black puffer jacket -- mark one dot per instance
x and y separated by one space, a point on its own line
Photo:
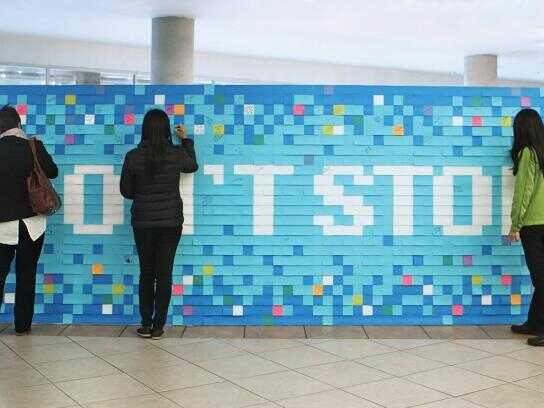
157 201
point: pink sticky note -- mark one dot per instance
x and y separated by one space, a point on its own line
130 119
177 290
277 310
525 101
467 260
457 310
47 279
407 280
187 310
506 280
298 110
22 109
476 121
69 139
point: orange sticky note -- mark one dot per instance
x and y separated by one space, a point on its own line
97 269
318 290
179 109
398 130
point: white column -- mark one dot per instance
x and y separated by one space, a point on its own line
481 70
172 50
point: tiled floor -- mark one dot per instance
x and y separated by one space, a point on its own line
269 367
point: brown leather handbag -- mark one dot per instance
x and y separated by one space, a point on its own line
43 197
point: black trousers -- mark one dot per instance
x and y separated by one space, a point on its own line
532 239
156 251
28 253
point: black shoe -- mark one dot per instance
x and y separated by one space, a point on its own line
522 329
24 332
157 334
536 341
144 332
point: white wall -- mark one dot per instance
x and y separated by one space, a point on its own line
86 55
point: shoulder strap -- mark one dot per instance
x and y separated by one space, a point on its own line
32 143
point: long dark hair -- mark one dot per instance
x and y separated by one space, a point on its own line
9 118
528 132
156 137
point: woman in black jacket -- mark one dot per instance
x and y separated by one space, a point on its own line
150 178
21 229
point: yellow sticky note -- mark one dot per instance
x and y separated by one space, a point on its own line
48 288
207 270
318 290
118 289
398 130
97 269
328 130
218 129
339 109
179 109
515 299
69 99
506 121
357 300
476 280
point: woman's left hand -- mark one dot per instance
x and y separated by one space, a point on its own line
513 235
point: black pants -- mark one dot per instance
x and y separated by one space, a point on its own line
156 250
28 252
532 239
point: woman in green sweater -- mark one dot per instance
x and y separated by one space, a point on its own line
528 212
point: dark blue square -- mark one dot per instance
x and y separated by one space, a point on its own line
207 250
248 250
268 260
438 131
268 129
467 130
418 140
447 290
377 280
486 250
388 240
228 230
259 119
309 130
427 121
476 140
298 250
496 131
108 149
228 260
278 270
397 270
268 109
48 249
496 269
78 259
378 140
497 111
59 149
338 260
458 151
417 260
288 139
428 280
238 119
398 110
278 119
248 280
457 111
129 139
98 249
388 120
187 269
307 280
347 270
329 150
299 120
218 149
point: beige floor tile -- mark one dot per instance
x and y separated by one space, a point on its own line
142 359
170 332
275 332
145 401
39 330
327 399
457 402
343 373
504 368
507 396
405 344
265 405
103 346
67 370
449 353
395 332
335 332
352 349
260 345
214 332
453 381
282 385
205 350
22 342
300 357
39 396
495 346
400 363
219 395
534 383
245 365
89 330
3 326
530 354
20 375
455 332
501 332
396 393
53 352
169 342
181 375
103 388
10 360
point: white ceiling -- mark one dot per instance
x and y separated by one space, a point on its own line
429 35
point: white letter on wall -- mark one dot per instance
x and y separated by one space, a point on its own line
443 194
112 206
403 194
186 190
263 194
334 195
507 188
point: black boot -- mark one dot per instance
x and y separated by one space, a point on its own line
523 329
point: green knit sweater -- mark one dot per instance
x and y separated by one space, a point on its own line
528 201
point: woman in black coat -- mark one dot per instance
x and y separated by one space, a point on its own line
150 178
21 229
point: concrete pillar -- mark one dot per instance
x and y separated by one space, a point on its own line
87 78
481 70
172 49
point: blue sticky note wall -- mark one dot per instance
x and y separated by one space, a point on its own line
312 204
